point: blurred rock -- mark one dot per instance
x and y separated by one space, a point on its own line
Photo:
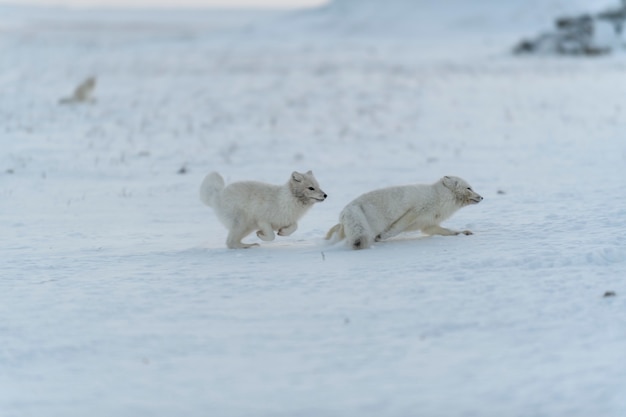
588 35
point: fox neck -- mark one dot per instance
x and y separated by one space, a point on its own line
449 198
299 196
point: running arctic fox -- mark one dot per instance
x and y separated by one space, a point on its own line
387 212
246 206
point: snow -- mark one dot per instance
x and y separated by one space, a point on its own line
118 296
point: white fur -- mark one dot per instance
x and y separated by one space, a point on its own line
384 213
246 206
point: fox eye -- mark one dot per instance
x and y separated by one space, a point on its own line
311 188
469 188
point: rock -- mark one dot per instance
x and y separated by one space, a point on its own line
579 35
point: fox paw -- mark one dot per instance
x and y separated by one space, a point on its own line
263 236
287 230
241 245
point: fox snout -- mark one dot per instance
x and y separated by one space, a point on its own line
476 198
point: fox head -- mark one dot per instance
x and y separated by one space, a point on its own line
462 190
305 188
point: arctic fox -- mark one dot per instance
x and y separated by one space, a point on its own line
384 213
82 93
250 205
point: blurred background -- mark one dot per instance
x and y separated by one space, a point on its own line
171 3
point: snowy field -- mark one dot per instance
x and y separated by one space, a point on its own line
119 298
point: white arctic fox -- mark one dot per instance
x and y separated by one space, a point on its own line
384 213
250 205
82 93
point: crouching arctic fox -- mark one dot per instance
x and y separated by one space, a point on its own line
246 206
384 213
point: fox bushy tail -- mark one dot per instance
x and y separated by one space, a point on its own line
336 233
211 188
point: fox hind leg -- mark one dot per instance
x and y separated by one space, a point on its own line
237 232
361 242
356 227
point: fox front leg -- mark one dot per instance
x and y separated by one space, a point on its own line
438 230
400 225
287 230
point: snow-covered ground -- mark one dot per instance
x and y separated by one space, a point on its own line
119 298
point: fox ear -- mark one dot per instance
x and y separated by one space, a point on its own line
309 172
448 182
296 176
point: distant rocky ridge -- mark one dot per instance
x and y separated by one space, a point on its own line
588 34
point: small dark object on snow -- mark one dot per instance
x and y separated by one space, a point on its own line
525 46
182 170
501 192
609 294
